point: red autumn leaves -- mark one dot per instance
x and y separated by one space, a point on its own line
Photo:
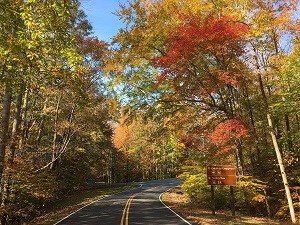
214 42
214 36
226 132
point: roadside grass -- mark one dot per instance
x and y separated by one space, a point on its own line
177 200
70 203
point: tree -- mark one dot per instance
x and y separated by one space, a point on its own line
152 151
52 87
205 56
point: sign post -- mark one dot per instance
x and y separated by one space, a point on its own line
213 202
232 201
224 176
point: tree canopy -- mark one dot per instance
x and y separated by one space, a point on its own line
183 85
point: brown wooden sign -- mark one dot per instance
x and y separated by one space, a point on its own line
221 175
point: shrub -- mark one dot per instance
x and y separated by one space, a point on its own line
249 193
199 192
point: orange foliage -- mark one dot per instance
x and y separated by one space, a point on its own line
231 129
224 150
215 35
226 132
92 46
121 136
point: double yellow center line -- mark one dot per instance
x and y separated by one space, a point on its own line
125 215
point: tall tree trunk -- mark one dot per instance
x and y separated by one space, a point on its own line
234 109
4 126
240 158
12 148
267 203
16 127
30 122
23 119
298 121
42 123
54 150
288 133
251 116
110 166
275 144
66 137
127 171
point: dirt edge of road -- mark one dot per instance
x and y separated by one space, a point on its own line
71 203
178 201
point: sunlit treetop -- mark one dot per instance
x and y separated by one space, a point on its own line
216 36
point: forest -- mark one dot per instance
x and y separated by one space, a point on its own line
183 85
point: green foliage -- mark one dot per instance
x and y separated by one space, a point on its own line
249 192
64 135
196 188
152 150
29 193
199 192
250 195
48 55
73 170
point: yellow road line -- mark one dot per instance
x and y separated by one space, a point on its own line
125 214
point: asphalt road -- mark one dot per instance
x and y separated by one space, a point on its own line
141 205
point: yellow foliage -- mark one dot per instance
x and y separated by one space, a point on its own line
111 66
259 198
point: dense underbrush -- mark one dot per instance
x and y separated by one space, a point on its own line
252 196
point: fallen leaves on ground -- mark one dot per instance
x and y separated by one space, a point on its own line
179 202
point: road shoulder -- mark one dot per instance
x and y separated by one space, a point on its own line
74 202
178 201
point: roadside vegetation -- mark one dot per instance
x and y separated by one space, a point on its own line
66 205
183 85
201 214
251 199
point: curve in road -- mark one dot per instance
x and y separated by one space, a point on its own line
142 205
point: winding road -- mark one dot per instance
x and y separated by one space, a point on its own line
137 206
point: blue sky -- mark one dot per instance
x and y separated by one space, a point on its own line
100 14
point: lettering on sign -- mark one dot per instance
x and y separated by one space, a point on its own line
221 175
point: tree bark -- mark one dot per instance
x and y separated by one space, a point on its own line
275 144
4 126
298 121
23 119
42 123
12 148
240 158
290 145
54 150
250 112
